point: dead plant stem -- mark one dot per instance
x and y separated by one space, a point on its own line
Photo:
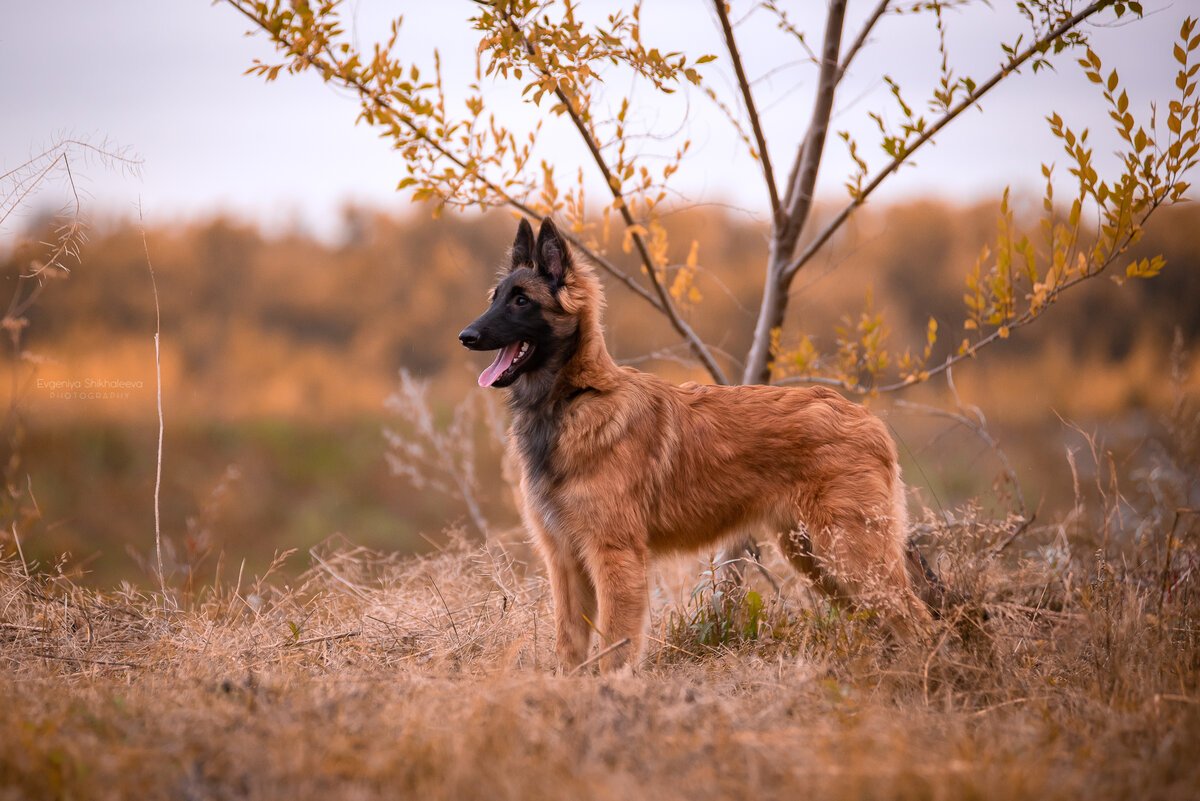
162 579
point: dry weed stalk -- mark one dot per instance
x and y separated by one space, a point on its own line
440 457
162 580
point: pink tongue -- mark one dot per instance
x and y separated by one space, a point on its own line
504 360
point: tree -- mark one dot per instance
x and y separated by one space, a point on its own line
475 156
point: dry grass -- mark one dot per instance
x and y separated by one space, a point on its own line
374 676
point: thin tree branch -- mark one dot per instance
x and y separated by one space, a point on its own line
751 111
795 265
862 39
666 306
798 200
366 93
1008 540
81 661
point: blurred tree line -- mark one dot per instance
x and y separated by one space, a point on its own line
286 324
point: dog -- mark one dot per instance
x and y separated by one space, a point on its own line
618 464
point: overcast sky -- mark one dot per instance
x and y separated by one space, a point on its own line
164 81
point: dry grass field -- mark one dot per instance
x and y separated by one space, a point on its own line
1073 674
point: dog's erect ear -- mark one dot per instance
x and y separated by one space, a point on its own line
553 257
522 249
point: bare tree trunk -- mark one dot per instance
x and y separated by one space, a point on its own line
797 205
770 315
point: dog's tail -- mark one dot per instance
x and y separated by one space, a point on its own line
928 586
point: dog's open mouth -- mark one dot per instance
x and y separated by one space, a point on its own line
508 361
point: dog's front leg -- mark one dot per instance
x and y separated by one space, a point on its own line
619 574
574 606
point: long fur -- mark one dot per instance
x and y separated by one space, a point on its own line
617 465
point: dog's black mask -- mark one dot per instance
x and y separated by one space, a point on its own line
520 322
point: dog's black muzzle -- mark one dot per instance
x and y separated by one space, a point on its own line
470 336
478 336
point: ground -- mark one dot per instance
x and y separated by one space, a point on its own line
375 676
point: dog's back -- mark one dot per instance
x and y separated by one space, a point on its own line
695 463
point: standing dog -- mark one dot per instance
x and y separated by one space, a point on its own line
618 464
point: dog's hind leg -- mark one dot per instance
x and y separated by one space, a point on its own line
797 548
851 557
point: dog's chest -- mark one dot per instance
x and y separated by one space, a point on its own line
535 434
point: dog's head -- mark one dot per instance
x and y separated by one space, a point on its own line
526 321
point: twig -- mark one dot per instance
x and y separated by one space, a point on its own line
937 647
862 39
752 559
751 110
370 96
1034 611
1183 699
672 646
81 661
17 540
1166 571
162 579
1003 704
1016 532
353 587
1002 332
344 635
445 606
979 428
600 655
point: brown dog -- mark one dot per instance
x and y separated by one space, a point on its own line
618 464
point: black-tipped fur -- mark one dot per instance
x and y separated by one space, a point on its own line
522 249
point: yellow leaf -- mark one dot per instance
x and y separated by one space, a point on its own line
627 240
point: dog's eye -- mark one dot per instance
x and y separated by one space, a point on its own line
520 300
